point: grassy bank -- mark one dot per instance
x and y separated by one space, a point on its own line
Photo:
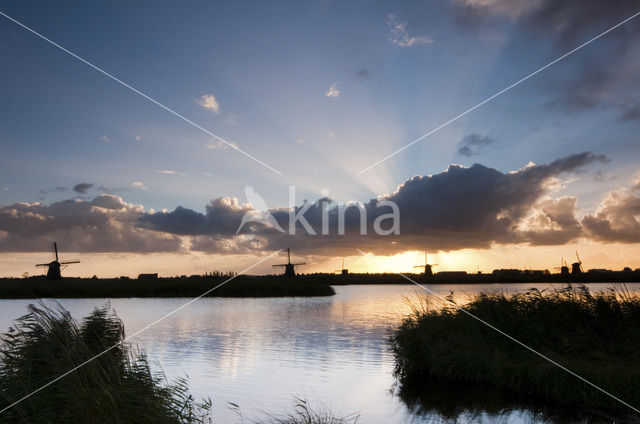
240 286
595 335
116 387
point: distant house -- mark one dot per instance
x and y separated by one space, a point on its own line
153 276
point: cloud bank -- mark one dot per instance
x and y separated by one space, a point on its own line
461 207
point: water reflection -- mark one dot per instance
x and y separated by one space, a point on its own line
441 402
259 353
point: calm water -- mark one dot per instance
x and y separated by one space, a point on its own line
260 353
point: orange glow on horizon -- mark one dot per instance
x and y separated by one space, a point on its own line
593 255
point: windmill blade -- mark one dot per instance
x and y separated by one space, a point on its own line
577 256
280 265
42 264
300 263
75 261
419 266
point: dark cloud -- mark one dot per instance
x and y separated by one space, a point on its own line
631 112
473 144
82 187
462 207
58 189
104 224
605 74
458 208
363 73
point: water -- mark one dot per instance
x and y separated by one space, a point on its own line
260 353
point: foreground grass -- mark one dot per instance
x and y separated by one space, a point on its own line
595 335
116 387
240 286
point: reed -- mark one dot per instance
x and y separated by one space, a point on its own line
596 335
116 387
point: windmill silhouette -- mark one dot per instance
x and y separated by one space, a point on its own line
54 267
343 271
563 268
289 268
260 212
428 268
576 267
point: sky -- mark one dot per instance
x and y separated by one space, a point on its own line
249 101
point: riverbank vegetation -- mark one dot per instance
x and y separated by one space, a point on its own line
595 335
117 386
239 286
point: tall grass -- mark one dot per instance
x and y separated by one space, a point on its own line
117 387
596 335
302 413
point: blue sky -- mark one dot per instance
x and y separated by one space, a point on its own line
396 71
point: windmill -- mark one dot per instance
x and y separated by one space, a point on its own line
428 268
54 267
576 267
343 271
563 268
289 268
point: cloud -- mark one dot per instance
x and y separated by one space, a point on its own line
472 144
170 172
232 119
333 90
104 224
105 139
615 219
593 83
82 187
209 102
58 189
459 208
363 73
139 185
400 36
219 145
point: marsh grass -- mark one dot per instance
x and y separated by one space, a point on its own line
303 413
596 335
117 387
